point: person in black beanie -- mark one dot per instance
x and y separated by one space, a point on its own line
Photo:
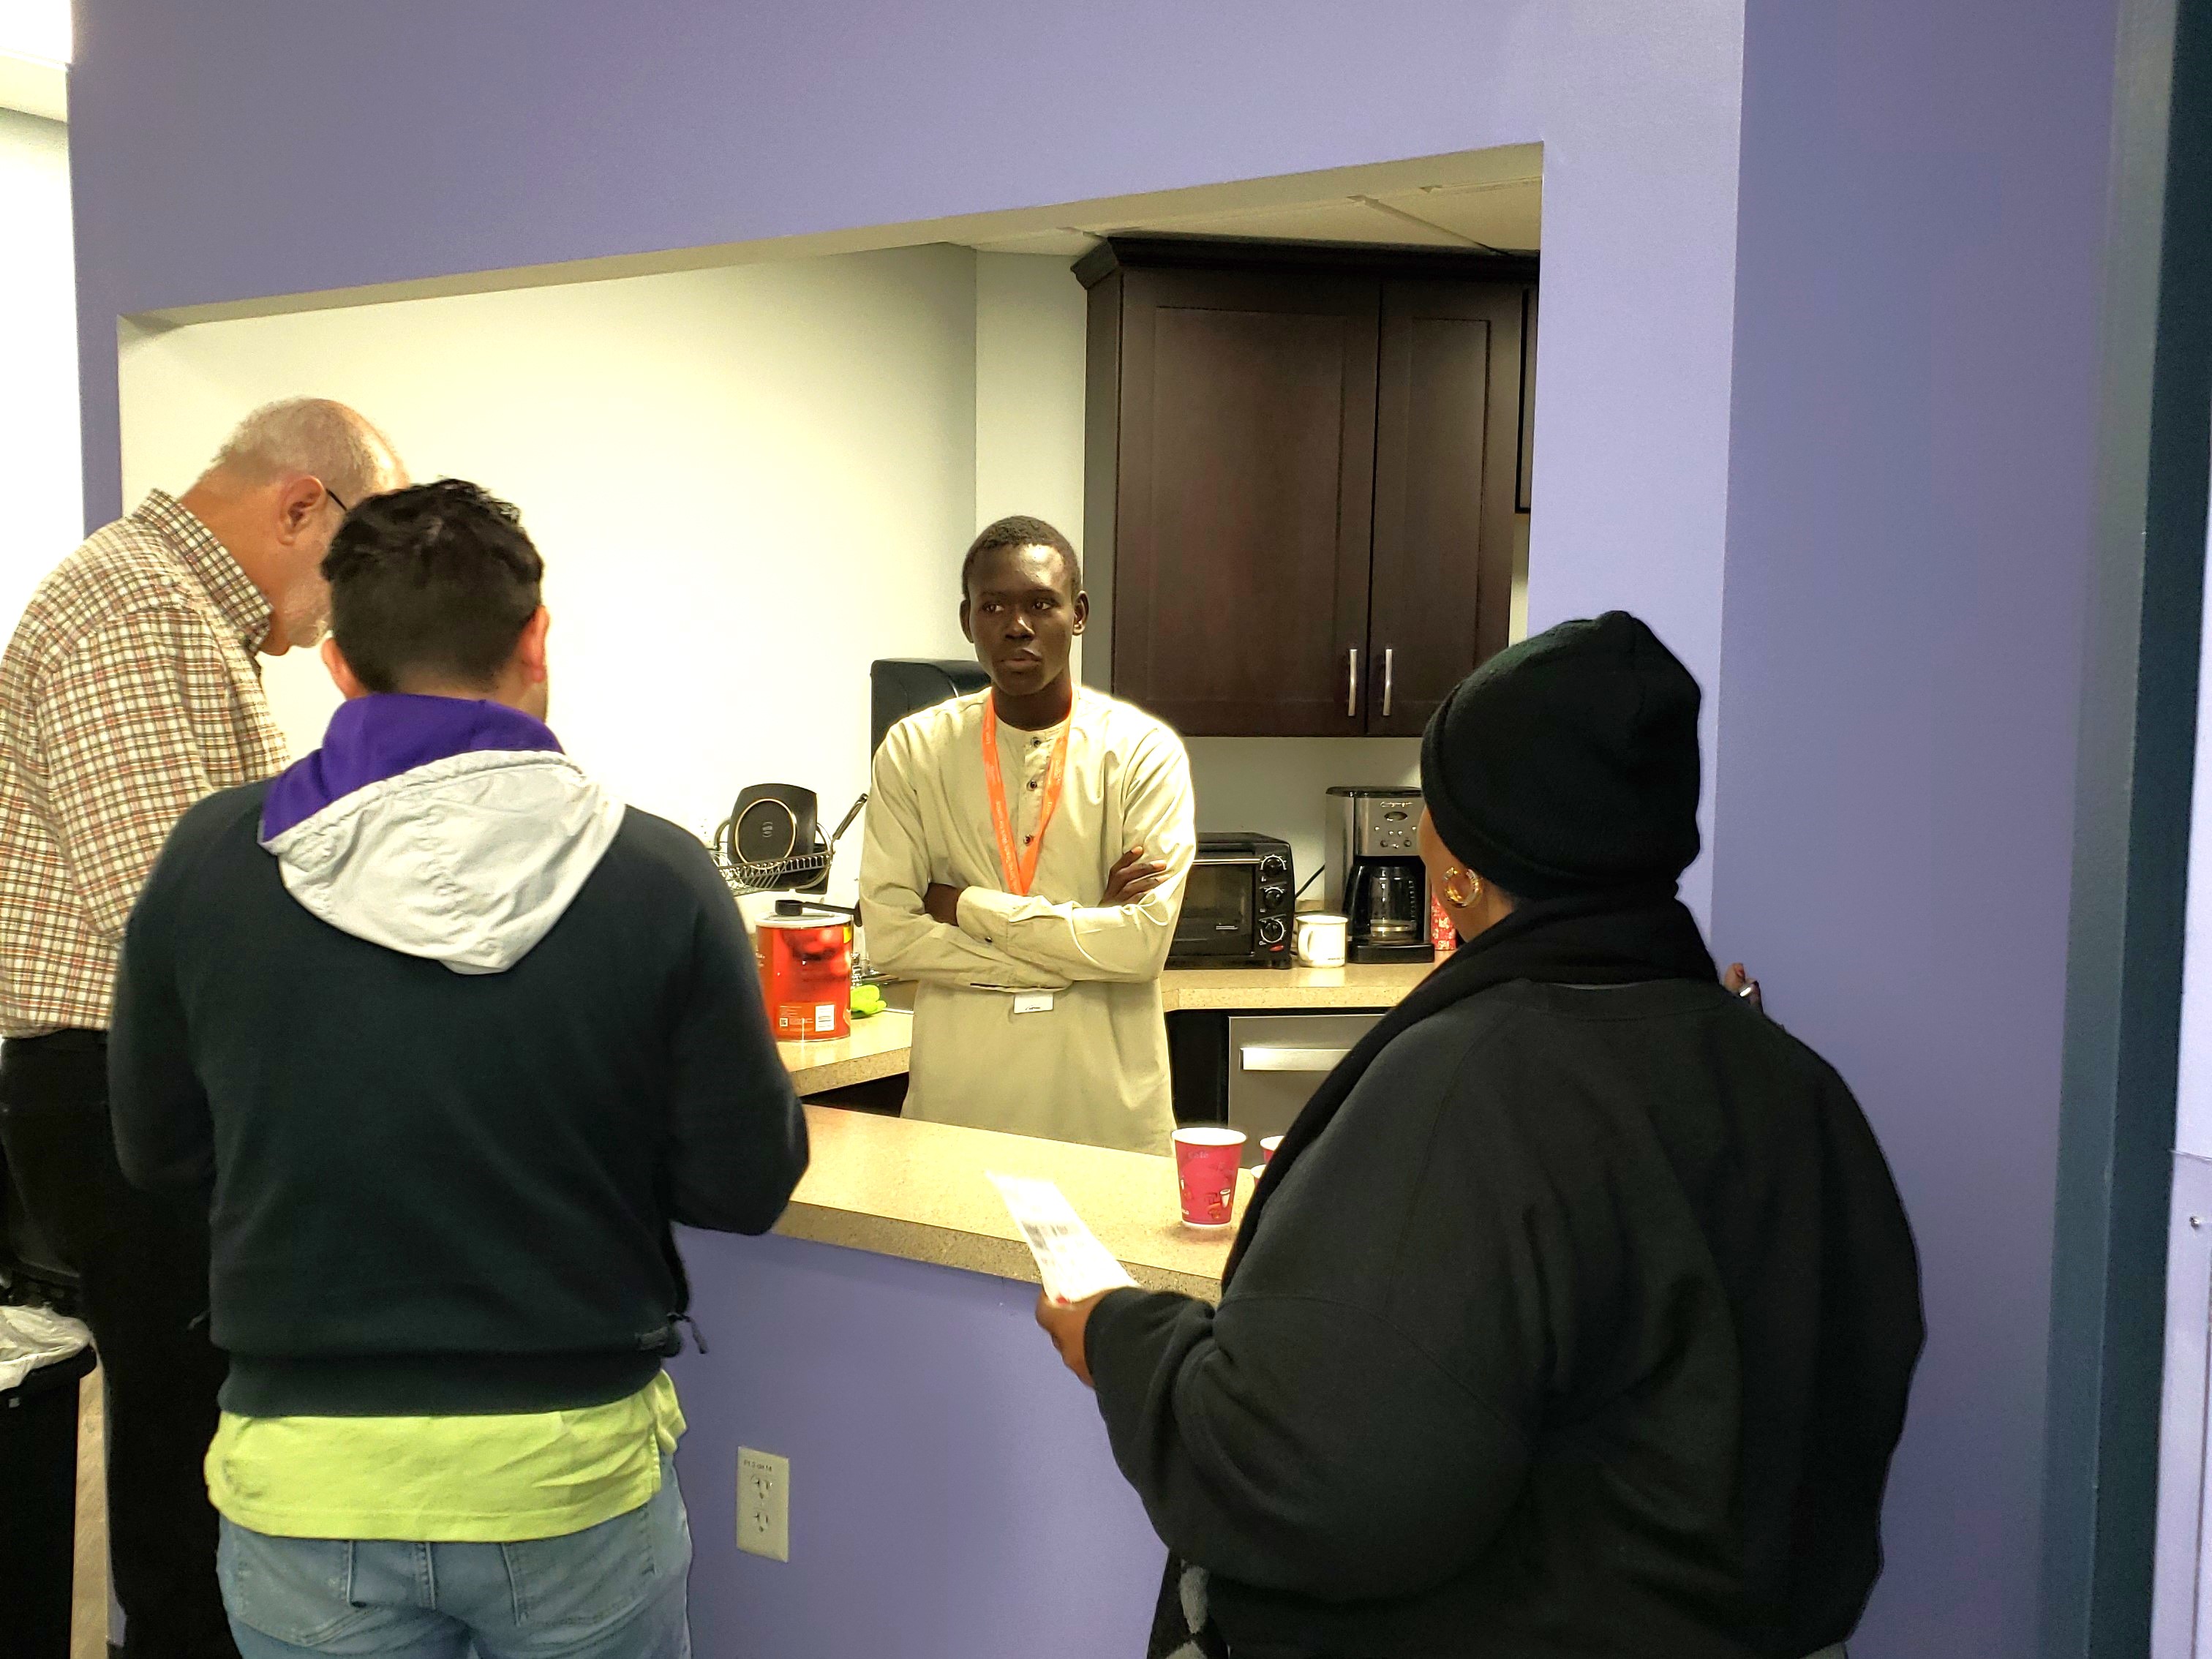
1577 1311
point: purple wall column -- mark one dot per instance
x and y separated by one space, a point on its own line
951 1494
1921 217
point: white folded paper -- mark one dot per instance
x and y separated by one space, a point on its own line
1071 1261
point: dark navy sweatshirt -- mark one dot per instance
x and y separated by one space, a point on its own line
450 1038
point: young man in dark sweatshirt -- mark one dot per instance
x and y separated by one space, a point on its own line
450 1038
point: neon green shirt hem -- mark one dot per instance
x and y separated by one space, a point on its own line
492 1479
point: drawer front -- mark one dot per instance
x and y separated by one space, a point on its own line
1276 1062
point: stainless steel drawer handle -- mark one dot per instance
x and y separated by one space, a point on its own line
1351 684
1256 1058
1388 653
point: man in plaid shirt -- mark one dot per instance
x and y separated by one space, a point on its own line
129 690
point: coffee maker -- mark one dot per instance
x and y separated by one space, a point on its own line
1375 876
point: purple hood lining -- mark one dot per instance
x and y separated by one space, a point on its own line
373 738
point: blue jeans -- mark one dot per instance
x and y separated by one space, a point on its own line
612 1591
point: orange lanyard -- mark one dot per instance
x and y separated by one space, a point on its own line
1020 868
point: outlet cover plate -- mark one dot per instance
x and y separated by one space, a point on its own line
763 1503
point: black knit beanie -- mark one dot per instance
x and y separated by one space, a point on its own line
1568 764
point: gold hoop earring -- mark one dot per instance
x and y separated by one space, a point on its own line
1453 896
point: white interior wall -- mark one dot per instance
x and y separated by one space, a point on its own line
1029 389
744 481
747 482
1029 392
40 474
1279 786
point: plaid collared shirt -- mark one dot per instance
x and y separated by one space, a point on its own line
129 690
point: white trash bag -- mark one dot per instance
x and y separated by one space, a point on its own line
31 1337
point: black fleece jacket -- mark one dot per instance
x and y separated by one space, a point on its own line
1585 1328
435 1192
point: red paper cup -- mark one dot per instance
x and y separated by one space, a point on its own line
1206 1173
1267 1150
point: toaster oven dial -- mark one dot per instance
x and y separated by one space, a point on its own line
1274 868
1271 898
1272 930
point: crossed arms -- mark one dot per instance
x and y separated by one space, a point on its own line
977 936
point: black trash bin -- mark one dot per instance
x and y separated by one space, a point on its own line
38 1514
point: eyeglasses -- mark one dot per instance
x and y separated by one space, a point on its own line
342 508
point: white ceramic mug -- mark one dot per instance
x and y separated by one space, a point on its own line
1320 939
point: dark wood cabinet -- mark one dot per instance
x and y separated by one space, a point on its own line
1447 442
1300 472
1243 483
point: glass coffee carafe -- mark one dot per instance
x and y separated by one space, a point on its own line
1390 904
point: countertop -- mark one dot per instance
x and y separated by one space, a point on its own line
1356 985
920 1191
878 1047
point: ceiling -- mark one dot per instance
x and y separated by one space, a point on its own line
1471 198
1503 214
34 54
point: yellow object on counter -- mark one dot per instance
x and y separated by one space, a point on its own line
868 1001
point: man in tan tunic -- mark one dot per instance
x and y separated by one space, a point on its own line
1025 858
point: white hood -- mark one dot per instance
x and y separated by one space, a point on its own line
469 860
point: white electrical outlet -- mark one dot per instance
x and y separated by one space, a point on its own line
763 1503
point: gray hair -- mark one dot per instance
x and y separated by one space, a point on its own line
310 435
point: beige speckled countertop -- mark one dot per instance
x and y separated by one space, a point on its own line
1359 986
876 1047
919 1190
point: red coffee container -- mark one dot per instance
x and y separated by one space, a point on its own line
806 975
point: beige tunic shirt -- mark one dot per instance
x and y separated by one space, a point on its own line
1093 1066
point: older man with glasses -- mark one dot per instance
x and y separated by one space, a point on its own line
128 691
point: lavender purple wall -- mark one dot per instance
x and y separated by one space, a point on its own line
951 1494
1878 407
1922 221
259 148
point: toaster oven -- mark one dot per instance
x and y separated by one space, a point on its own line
1237 904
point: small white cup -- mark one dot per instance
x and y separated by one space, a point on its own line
1322 939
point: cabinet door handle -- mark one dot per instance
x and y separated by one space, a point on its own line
1352 685
1387 654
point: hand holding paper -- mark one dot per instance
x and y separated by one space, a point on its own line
1071 1264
